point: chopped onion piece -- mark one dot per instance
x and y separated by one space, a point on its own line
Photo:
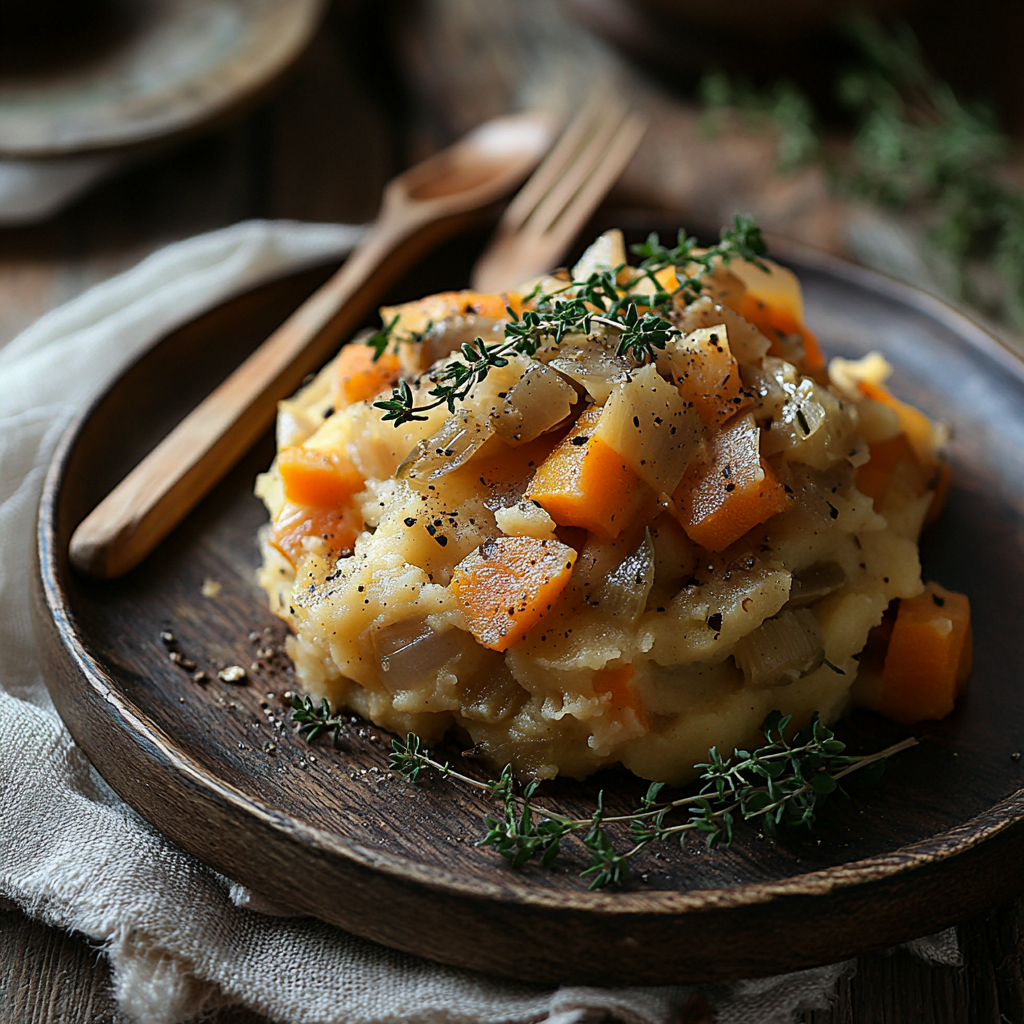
653 428
535 404
748 344
460 438
781 650
810 425
411 653
593 366
815 582
607 252
450 334
625 590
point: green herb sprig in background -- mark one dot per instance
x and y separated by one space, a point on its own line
917 148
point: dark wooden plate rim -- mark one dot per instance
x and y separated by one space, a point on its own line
942 846
154 129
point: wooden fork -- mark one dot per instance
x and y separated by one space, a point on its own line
540 224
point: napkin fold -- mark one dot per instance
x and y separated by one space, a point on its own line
183 940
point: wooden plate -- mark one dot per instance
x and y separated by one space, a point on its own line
337 837
136 71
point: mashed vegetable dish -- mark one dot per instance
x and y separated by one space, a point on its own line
577 553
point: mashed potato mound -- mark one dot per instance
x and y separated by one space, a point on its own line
591 560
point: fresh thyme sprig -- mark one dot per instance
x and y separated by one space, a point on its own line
452 384
380 340
639 320
692 266
784 782
315 721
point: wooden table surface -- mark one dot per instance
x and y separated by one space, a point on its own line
321 149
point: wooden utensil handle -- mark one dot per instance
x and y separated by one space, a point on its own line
189 462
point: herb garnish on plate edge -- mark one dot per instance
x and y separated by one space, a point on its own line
784 782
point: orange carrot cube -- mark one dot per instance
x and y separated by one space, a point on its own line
313 477
778 323
584 482
508 585
336 527
929 657
730 493
886 457
358 378
773 302
913 422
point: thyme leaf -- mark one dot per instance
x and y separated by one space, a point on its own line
380 340
314 721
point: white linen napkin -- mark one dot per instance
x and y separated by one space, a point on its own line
181 939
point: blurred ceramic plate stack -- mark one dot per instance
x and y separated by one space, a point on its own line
85 82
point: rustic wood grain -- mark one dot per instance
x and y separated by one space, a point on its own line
898 988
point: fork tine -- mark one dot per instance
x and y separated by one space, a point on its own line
514 255
552 167
550 208
614 161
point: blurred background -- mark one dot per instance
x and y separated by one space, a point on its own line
887 132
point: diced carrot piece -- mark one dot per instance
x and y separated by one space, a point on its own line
338 527
359 378
319 487
617 683
719 500
776 323
898 455
415 317
929 656
313 477
667 278
886 457
773 302
584 482
508 585
913 422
